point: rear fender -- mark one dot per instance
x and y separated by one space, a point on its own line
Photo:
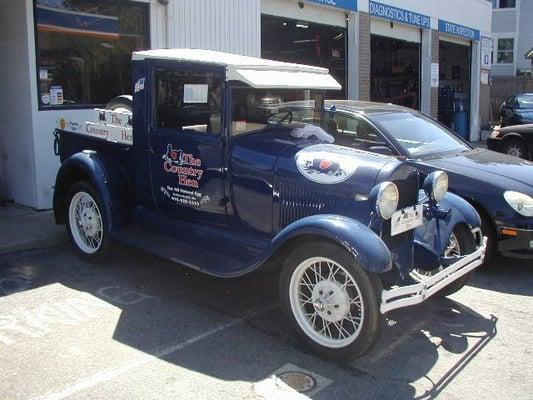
107 178
432 238
367 248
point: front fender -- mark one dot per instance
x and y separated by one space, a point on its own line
432 238
107 178
367 248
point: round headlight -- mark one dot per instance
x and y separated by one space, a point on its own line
520 202
436 185
387 199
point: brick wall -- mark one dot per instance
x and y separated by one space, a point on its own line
434 59
484 105
364 56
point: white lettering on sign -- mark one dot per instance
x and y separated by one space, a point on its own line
96 130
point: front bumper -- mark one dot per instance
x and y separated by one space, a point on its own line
515 242
404 296
494 144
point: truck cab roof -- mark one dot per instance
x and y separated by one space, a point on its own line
254 71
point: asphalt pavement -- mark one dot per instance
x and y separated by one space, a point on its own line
139 327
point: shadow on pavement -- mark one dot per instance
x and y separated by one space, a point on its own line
506 275
163 305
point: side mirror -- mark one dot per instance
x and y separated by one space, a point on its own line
387 151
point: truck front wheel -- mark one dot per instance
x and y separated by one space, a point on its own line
86 225
332 302
462 243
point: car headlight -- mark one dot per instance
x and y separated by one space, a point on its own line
495 134
436 185
520 202
387 197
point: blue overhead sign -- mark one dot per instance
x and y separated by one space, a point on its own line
399 14
458 30
344 4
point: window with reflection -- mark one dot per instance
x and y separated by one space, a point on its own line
84 49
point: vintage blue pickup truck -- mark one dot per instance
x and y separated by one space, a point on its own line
201 167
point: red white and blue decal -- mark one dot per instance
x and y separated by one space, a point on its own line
326 164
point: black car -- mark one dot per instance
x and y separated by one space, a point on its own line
515 140
517 110
500 187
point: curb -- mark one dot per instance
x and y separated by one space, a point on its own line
30 231
33 244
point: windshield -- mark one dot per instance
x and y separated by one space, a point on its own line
525 101
255 109
418 135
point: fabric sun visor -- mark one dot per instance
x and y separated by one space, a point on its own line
267 79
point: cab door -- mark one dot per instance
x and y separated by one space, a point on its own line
186 143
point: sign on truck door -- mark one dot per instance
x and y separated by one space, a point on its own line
186 143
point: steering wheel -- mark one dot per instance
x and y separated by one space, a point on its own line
288 114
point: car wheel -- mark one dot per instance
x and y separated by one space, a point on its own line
86 224
331 300
515 148
462 242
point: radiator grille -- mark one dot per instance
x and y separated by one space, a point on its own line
408 189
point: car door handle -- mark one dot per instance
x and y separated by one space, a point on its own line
150 150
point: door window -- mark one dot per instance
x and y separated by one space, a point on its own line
353 132
189 101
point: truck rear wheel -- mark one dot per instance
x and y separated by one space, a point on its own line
462 242
332 302
86 223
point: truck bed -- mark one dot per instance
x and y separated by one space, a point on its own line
107 132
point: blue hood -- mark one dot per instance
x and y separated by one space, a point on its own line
501 170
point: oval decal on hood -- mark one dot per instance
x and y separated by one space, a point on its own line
326 164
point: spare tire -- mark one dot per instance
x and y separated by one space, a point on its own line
122 103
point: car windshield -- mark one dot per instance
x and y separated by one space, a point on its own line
255 109
525 101
418 135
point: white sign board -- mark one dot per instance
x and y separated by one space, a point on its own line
434 75
485 77
195 93
486 53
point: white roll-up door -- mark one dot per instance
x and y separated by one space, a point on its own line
397 31
310 12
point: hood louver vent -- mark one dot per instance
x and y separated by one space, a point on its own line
297 202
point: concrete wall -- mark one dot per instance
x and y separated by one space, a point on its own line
17 150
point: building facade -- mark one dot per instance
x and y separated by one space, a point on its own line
512 28
62 58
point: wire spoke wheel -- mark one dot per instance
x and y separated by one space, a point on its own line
326 302
85 221
453 250
462 242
